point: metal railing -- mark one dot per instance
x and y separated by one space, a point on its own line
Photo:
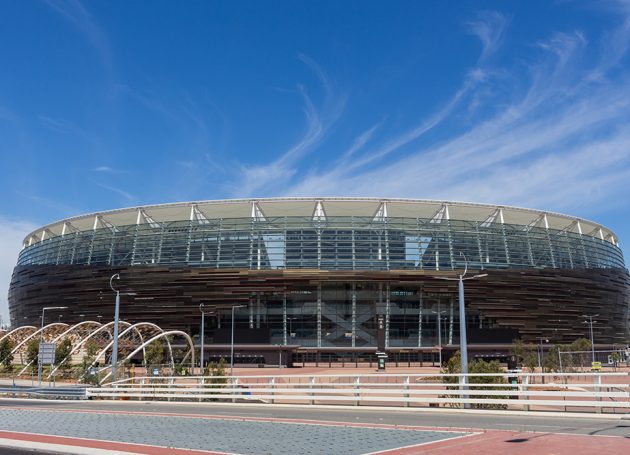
586 392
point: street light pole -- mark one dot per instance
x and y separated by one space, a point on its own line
116 315
202 336
439 325
590 322
41 340
463 344
232 341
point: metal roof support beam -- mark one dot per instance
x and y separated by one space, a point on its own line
319 214
570 255
584 255
481 257
504 234
551 252
144 218
257 213
492 218
197 215
380 216
440 215
98 219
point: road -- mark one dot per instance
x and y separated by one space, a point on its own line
148 427
443 419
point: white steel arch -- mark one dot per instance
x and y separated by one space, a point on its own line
151 340
16 333
13 332
60 336
104 327
75 327
34 334
127 330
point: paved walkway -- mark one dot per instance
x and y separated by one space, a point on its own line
223 435
92 428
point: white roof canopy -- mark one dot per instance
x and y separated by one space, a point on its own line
321 208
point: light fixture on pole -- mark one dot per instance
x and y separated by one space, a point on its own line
463 345
41 340
232 341
591 322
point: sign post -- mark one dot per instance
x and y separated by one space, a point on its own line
46 354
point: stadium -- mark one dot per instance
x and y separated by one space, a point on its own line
332 275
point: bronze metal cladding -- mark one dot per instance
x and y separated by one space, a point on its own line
535 302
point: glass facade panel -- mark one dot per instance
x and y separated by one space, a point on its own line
338 243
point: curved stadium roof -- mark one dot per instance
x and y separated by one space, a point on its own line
261 209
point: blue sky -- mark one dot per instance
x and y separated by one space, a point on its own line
111 104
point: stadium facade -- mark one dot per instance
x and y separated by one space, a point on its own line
332 274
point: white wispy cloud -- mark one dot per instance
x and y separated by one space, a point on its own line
257 179
560 140
12 232
124 194
74 12
489 27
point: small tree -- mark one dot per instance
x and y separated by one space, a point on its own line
154 355
453 366
218 372
32 354
526 353
62 350
5 354
91 349
552 359
583 347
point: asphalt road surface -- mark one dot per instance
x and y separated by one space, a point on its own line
442 419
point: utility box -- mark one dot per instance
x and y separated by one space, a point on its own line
382 357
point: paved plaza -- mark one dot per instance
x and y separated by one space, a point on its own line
161 428
231 436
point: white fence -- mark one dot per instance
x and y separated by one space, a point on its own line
587 392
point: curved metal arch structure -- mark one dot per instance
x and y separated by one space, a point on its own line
121 340
13 333
61 336
75 327
18 334
166 335
104 328
42 331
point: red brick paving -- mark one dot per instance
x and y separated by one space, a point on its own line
501 442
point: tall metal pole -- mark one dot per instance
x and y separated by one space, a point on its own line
439 326
39 357
116 317
440 338
202 336
590 322
463 344
232 341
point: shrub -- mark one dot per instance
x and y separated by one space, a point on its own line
453 366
